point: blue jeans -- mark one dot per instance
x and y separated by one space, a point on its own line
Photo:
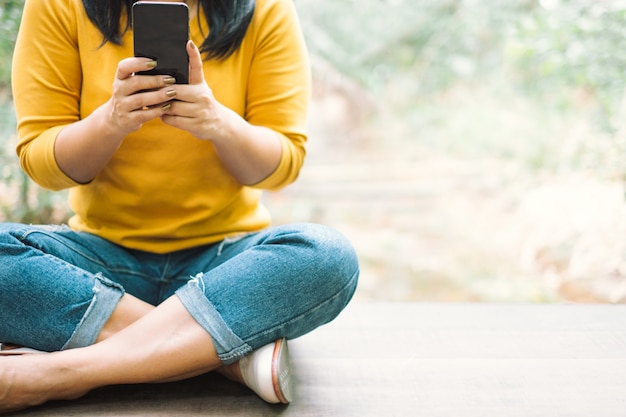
59 287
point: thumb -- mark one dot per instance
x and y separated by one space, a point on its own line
196 76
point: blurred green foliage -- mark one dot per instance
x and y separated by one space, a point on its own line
486 78
434 42
577 43
542 46
10 15
407 53
20 199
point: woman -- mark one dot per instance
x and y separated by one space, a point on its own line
169 267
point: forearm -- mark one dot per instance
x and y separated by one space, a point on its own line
83 149
250 153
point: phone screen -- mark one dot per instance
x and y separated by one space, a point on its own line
160 32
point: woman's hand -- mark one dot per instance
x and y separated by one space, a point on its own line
195 109
137 99
83 149
250 153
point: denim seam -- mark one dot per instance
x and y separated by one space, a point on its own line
97 261
23 237
165 278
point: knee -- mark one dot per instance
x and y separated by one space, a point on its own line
334 250
326 254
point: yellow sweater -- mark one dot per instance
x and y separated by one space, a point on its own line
163 190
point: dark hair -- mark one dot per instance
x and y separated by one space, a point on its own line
228 22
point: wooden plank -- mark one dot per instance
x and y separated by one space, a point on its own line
435 360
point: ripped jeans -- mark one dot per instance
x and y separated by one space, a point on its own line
59 287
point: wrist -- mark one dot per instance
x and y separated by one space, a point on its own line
225 126
106 122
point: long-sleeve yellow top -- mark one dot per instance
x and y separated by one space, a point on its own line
163 190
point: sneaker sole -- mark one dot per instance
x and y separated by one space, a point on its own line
281 371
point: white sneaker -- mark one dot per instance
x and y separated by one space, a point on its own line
8 349
267 372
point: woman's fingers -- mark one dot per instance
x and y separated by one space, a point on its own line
144 97
131 114
130 80
139 98
196 76
129 66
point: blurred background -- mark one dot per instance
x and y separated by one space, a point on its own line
472 150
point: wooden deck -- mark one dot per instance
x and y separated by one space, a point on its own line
431 360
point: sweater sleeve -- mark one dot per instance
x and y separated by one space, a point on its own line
46 82
279 87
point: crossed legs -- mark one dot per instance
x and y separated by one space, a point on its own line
289 279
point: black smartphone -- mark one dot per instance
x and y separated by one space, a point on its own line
160 32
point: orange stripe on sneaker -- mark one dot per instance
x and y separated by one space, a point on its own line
278 346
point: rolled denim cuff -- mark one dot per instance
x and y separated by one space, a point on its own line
229 347
106 295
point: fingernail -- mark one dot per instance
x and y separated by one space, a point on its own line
166 107
151 64
169 80
170 93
